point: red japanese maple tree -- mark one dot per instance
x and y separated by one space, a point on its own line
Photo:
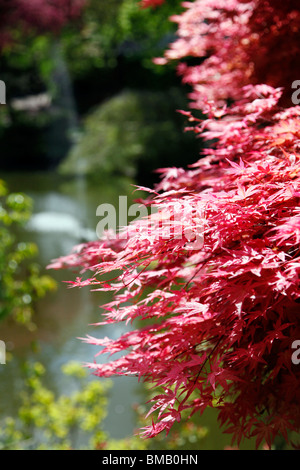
222 300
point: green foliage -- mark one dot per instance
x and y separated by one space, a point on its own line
109 48
148 29
130 132
49 422
104 32
121 27
93 45
21 280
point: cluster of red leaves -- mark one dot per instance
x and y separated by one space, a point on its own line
221 314
244 42
40 15
151 3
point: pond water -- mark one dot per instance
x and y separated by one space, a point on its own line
64 214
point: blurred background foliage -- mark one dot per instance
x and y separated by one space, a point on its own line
22 283
135 130
75 421
54 81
